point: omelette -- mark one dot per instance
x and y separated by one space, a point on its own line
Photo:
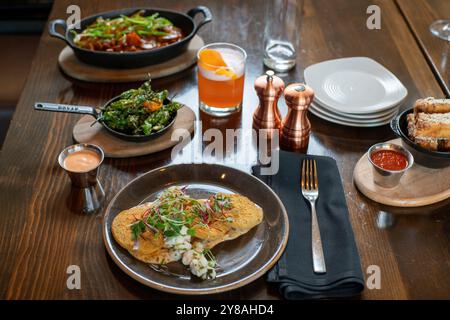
176 227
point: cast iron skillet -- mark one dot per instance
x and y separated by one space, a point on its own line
425 157
97 114
124 60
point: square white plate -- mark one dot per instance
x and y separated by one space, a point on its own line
355 85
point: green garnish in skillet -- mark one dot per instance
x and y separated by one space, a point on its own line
140 111
128 33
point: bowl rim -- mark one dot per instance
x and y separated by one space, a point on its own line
390 146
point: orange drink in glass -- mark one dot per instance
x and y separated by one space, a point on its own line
221 74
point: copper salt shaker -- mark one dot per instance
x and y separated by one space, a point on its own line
267 116
296 126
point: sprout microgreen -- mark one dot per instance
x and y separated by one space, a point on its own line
174 209
136 229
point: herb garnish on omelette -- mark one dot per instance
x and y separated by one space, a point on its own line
178 227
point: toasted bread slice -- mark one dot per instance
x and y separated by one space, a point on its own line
432 105
434 144
411 120
430 131
432 125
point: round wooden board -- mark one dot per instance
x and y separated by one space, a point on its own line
419 186
82 71
115 147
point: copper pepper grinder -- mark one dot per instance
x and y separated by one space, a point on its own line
296 126
267 116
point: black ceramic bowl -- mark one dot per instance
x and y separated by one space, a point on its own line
422 156
125 60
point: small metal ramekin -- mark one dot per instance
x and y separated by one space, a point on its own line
389 178
82 179
93 193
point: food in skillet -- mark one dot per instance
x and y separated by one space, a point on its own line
178 227
140 111
429 124
128 33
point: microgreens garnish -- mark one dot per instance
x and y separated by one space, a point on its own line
174 208
136 229
210 256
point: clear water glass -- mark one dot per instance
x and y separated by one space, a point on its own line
282 33
441 29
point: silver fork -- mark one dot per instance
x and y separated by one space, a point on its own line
310 190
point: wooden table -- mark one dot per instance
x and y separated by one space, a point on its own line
419 15
42 230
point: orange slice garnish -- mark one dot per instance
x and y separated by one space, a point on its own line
225 71
212 60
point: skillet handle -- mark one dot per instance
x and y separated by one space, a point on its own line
56 107
395 126
207 16
52 28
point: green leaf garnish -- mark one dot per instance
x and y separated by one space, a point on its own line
174 209
130 115
136 229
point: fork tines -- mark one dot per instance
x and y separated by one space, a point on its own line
309 179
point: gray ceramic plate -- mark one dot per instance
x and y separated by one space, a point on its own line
241 260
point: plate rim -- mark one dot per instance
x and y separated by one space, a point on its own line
357 116
327 113
348 124
365 59
266 266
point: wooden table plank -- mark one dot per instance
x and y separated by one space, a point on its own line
42 231
419 15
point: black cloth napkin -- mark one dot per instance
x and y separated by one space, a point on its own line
294 273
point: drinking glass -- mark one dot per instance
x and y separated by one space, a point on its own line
282 33
221 74
441 29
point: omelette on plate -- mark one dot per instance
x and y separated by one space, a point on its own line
176 227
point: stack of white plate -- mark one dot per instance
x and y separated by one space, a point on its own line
357 92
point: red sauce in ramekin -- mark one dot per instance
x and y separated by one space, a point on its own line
389 160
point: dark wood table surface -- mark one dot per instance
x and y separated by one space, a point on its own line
419 15
42 230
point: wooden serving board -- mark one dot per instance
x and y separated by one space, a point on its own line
419 186
114 147
82 71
